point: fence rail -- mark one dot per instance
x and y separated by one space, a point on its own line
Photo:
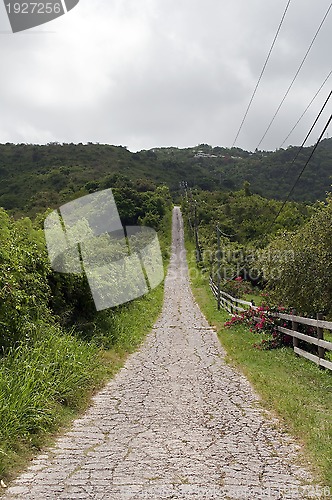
231 304
228 302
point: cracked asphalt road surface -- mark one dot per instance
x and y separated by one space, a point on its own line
176 422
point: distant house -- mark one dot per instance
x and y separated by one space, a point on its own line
201 154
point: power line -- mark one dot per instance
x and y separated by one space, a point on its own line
295 77
226 235
306 109
262 72
302 171
311 155
307 136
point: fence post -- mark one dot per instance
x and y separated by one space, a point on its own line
198 248
294 328
320 336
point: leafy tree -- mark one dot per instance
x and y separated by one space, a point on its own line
298 265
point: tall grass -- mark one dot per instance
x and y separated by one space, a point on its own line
36 380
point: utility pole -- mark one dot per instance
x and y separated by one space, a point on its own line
219 267
190 214
198 250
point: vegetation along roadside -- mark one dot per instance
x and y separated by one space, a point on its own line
56 350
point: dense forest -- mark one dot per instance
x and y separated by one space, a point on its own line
36 177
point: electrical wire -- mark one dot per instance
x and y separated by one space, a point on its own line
301 173
307 136
224 234
262 72
295 77
306 109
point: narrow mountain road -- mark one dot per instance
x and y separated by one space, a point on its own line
176 422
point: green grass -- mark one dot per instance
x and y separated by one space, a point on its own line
258 299
292 387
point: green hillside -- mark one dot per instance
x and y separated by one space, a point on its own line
34 177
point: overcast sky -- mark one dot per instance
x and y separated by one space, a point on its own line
151 73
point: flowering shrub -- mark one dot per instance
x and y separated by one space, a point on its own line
258 320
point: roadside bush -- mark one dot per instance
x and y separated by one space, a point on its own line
24 290
237 287
262 322
258 321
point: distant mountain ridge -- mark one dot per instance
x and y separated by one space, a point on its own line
34 177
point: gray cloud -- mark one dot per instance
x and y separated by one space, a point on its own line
158 73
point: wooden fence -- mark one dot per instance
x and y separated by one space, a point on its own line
226 301
232 305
